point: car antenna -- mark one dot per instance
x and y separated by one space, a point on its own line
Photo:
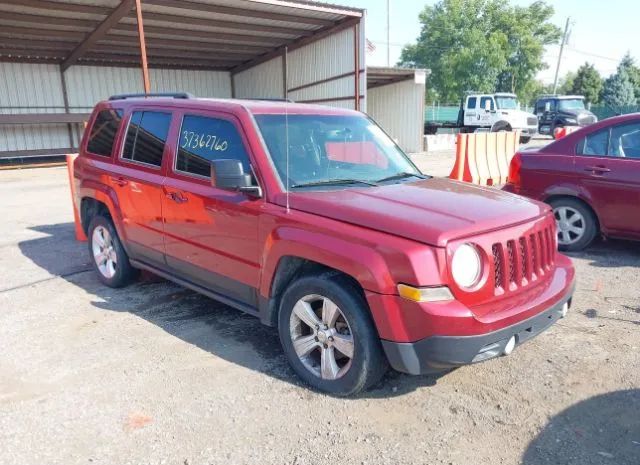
286 130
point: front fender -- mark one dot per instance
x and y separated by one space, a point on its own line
363 263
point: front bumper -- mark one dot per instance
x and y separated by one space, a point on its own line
438 353
528 131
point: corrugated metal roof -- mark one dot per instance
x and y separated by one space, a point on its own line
48 31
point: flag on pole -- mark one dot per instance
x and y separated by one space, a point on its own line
370 46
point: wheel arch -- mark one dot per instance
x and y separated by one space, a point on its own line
501 125
577 198
290 268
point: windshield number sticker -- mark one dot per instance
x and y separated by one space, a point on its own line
192 140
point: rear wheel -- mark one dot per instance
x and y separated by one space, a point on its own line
576 224
108 256
328 336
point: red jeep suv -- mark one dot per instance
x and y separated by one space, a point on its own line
312 219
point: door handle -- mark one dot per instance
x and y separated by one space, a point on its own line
597 169
177 197
119 181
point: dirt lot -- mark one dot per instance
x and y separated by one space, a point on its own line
156 374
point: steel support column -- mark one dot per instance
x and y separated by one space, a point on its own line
143 49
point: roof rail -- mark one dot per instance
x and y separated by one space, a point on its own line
269 99
183 95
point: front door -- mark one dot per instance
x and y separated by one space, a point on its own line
211 234
608 169
137 181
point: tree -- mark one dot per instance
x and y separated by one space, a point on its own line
633 71
565 84
587 82
482 45
618 91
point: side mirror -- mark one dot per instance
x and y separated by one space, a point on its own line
229 174
547 106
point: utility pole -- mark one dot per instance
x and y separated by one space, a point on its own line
388 38
564 41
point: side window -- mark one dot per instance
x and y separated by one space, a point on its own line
483 102
146 137
203 139
103 132
625 141
540 106
471 103
595 143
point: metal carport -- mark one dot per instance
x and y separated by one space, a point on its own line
58 58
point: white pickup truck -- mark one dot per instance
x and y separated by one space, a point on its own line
490 112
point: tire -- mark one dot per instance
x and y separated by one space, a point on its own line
310 296
525 139
570 212
116 270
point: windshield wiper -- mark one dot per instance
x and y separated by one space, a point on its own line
401 176
333 182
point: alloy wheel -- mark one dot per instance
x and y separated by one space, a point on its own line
321 337
571 225
104 252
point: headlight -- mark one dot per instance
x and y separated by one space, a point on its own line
570 120
466 266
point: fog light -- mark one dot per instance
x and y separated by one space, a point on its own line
510 345
565 310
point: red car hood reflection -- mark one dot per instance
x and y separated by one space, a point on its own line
433 211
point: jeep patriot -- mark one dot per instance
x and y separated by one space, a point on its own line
312 219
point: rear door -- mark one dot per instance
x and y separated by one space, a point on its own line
608 169
137 180
211 233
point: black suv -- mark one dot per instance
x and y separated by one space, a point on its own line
557 111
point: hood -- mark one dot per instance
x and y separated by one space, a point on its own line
433 211
519 117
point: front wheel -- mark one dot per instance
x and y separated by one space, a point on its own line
328 336
525 139
576 224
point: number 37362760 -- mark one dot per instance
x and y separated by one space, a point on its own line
193 140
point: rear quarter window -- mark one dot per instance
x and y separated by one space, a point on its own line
103 132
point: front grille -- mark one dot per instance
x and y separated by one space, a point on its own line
532 121
523 260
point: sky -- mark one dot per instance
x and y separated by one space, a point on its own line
601 31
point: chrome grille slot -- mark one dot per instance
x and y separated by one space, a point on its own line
512 261
522 260
497 265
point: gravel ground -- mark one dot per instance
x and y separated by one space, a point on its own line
157 374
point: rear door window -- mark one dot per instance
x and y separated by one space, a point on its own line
146 137
204 138
595 144
103 132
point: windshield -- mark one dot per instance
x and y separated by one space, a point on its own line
507 103
332 150
571 104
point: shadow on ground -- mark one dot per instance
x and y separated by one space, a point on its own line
610 253
604 429
210 325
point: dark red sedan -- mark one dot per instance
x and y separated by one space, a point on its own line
591 178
